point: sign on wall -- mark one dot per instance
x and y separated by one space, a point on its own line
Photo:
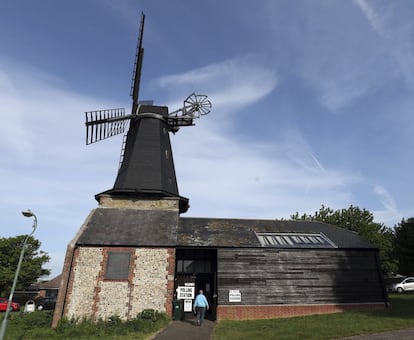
185 292
234 295
188 305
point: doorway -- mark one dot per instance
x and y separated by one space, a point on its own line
198 267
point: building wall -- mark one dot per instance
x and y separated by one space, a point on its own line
283 311
276 282
85 272
149 284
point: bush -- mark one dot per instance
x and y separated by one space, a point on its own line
33 320
150 322
37 325
77 327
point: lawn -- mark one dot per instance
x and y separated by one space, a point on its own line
327 326
315 327
31 326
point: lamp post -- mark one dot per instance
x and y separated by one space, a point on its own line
27 213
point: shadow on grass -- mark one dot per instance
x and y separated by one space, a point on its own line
400 315
400 307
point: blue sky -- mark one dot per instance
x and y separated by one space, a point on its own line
312 105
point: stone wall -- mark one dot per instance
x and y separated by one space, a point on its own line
86 267
148 285
151 277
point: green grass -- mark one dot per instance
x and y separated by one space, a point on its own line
36 326
327 326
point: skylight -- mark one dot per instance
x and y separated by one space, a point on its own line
295 240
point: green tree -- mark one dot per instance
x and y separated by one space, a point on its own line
362 222
31 268
404 246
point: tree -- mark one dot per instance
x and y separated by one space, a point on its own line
362 222
31 268
404 246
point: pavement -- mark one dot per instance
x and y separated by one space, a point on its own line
187 329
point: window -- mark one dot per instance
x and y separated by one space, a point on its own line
195 261
117 266
294 240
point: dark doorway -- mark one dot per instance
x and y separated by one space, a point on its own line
198 267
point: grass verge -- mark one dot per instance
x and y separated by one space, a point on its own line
37 325
326 326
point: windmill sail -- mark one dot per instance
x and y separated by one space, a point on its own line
146 167
136 76
102 124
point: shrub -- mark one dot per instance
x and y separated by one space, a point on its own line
33 320
151 322
37 325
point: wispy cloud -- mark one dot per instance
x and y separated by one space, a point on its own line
373 17
395 25
227 176
45 165
390 212
231 84
324 55
328 46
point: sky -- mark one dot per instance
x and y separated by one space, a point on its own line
311 105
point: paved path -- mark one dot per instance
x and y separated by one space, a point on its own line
187 330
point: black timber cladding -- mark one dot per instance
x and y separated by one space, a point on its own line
147 168
299 276
148 162
349 273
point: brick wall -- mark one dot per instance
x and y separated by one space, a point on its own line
271 311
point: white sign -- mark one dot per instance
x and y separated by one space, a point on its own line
185 292
188 305
234 295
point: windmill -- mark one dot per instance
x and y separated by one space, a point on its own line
146 167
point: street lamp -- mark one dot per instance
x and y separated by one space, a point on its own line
27 213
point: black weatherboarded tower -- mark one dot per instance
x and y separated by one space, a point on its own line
135 251
147 167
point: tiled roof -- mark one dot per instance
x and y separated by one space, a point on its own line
129 227
132 227
220 232
52 284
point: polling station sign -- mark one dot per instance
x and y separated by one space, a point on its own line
185 292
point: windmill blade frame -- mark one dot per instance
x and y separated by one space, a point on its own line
136 76
102 124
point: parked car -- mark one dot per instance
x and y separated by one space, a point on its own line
45 303
404 286
14 306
